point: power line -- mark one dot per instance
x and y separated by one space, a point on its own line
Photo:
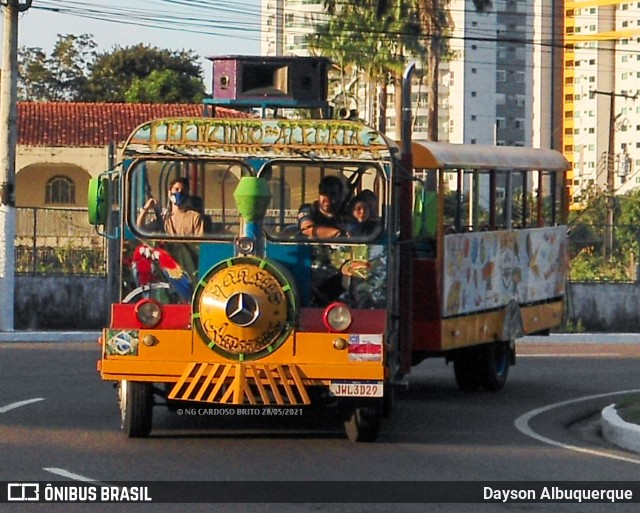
227 21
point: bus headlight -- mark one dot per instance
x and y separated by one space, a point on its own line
337 317
148 312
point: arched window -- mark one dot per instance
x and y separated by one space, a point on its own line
60 189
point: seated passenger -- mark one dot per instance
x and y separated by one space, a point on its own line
179 218
322 219
370 197
362 222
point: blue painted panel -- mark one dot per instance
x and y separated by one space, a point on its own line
212 254
295 258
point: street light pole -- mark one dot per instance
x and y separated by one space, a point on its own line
608 242
8 142
608 235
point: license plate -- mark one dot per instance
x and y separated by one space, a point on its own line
355 389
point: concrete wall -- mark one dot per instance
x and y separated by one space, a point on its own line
605 307
60 303
79 303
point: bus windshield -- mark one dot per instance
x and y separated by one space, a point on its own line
296 190
206 200
207 207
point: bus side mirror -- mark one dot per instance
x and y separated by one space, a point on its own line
98 201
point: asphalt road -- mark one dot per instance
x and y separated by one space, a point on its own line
541 427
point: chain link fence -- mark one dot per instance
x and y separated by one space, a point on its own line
57 241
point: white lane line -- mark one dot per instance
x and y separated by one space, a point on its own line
69 475
13 406
569 355
522 424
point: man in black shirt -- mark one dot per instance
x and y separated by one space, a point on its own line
322 219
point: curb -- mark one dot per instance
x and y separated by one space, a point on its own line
585 338
618 432
49 336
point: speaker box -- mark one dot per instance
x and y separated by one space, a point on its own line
297 79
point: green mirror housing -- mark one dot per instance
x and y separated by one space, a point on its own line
252 197
98 201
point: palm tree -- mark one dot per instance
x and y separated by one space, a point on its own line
434 22
362 42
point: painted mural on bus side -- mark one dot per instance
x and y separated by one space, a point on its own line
487 270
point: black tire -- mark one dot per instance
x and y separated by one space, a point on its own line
494 365
136 408
466 370
363 425
388 400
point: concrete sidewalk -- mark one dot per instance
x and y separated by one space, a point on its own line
614 429
49 336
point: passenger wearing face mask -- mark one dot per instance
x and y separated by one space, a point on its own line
179 218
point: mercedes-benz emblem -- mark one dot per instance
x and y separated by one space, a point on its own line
242 309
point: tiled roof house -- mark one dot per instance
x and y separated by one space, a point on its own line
68 124
66 143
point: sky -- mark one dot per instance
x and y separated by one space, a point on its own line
208 27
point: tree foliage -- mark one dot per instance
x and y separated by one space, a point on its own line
113 74
164 86
35 77
628 222
75 71
433 20
367 45
587 232
60 76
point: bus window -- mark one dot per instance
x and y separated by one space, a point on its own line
521 200
295 189
549 199
425 210
209 204
466 200
503 211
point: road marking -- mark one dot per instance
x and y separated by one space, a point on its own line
70 475
13 406
522 424
568 355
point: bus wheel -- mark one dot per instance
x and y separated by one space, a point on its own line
466 370
494 361
363 425
388 400
136 408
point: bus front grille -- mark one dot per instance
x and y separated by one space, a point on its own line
237 383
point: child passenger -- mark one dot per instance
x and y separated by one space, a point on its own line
362 222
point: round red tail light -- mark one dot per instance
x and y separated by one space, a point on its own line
337 317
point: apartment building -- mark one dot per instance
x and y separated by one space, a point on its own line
286 23
602 95
490 87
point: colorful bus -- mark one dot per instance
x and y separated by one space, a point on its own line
226 297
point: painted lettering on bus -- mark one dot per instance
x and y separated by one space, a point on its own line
264 281
236 345
252 132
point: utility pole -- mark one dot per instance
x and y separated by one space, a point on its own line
608 235
8 142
